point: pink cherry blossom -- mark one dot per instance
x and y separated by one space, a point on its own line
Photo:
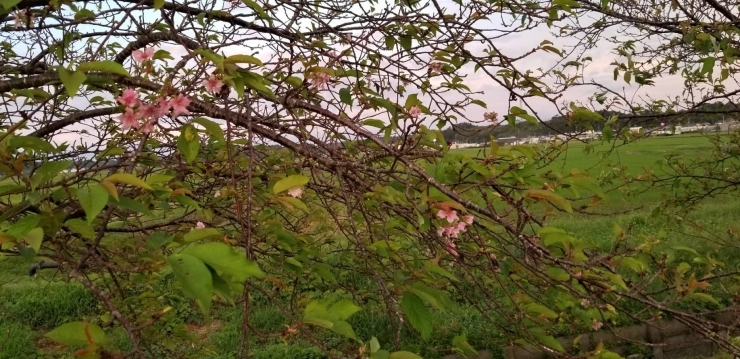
415 111
467 219
449 214
320 79
295 192
128 119
461 226
17 20
129 97
596 325
449 232
180 105
490 116
212 84
436 67
217 194
148 111
148 126
585 303
200 225
163 107
143 55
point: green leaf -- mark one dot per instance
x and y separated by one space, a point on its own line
704 298
418 314
71 80
374 345
294 81
247 59
344 328
106 66
607 134
344 309
9 4
616 279
128 178
548 341
522 113
225 259
195 279
346 96
31 143
155 178
374 122
158 240
93 200
289 182
628 76
188 143
211 127
707 65
255 82
558 273
158 4
162 54
537 310
48 171
210 55
221 287
587 184
479 103
460 342
132 205
34 238
634 264
292 202
77 333
404 355
84 14
390 42
553 198
405 41
201 234
81 227
111 188
435 297
258 9
24 225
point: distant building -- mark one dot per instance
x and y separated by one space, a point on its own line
507 140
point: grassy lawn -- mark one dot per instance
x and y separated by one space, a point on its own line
29 307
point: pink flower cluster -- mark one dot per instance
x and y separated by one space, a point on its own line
17 20
457 225
415 111
296 192
136 110
319 80
213 84
490 116
436 67
143 55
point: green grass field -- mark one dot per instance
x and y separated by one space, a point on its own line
29 307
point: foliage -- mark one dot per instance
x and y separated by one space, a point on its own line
291 155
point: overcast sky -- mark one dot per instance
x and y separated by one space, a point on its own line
513 45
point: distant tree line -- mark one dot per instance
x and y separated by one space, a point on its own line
471 133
